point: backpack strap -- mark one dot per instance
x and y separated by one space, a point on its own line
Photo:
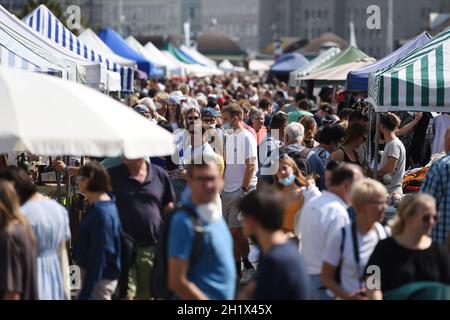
197 246
341 258
304 153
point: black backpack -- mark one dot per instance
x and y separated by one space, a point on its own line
301 160
159 288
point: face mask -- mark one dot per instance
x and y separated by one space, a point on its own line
228 128
210 212
212 126
158 106
288 180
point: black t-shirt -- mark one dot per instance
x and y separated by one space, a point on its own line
140 204
18 271
282 275
400 265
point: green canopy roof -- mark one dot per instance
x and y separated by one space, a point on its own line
351 54
420 81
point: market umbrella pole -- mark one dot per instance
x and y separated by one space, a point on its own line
67 161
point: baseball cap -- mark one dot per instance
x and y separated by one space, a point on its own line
209 112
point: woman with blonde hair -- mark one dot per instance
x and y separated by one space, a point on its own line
410 256
18 271
349 249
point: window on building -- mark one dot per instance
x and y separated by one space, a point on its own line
313 14
319 14
192 12
325 14
306 14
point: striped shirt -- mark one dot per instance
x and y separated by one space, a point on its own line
437 184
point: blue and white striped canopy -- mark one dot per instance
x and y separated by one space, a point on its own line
45 22
14 60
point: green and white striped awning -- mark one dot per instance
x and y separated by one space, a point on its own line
420 81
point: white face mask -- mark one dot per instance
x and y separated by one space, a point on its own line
212 211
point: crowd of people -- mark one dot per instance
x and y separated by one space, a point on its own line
269 195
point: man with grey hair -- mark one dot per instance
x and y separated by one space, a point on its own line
307 161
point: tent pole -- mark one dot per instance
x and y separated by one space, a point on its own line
377 139
369 136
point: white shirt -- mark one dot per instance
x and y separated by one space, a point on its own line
351 273
318 220
239 147
205 151
395 149
440 123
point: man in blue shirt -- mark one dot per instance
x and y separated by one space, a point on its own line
281 273
212 275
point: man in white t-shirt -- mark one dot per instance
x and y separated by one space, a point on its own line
241 166
321 217
350 247
392 164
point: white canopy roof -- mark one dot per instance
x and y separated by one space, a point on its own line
91 39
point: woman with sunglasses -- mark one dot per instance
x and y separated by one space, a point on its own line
410 256
257 123
173 114
97 251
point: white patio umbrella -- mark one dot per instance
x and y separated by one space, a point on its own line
49 116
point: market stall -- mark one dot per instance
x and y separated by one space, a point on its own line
47 24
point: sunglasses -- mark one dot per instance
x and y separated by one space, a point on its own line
427 218
193 118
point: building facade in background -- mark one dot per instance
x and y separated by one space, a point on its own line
255 23
142 17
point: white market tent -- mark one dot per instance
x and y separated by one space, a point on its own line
257 65
139 48
226 65
45 22
419 82
91 39
199 57
307 68
78 69
17 54
174 69
195 70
